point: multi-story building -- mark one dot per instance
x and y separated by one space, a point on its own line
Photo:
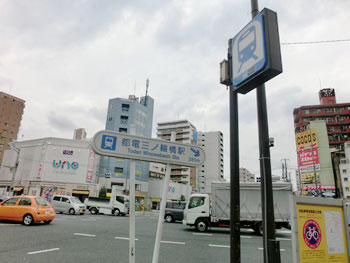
50 165
79 134
246 176
213 167
132 115
11 111
336 115
185 132
344 168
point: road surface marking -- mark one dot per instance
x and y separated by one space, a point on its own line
85 235
282 249
173 242
202 234
124 238
246 236
212 245
43 251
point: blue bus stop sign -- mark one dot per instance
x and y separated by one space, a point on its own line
255 52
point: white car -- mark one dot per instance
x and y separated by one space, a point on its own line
68 204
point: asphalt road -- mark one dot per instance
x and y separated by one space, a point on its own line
102 238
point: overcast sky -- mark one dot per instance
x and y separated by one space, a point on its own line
66 59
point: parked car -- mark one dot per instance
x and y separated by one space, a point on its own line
27 209
174 211
3 197
68 204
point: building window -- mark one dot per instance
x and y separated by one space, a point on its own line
110 119
125 107
123 130
347 189
124 119
137 187
345 179
344 171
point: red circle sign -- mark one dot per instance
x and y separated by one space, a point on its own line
312 234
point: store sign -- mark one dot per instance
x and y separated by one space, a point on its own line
306 139
65 165
308 157
146 149
68 152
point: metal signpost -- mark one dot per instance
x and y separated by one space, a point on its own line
254 57
121 145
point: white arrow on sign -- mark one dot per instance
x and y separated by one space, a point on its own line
127 146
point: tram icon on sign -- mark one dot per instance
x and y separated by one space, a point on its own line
108 142
247 46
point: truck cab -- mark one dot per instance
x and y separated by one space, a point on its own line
197 212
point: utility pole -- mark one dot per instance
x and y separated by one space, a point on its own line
285 170
271 246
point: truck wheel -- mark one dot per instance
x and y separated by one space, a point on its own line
202 225
168 218
93 211
258 229
71 211
117 212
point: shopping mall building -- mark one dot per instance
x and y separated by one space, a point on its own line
50 166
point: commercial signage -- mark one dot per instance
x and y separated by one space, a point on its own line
306 139
90 167
65 164
146 149
255 51
321 234
308 160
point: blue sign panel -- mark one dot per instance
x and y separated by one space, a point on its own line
146 149
108 142
249 51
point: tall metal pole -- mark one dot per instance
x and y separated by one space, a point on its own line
132 206
271 246
235 237
162 208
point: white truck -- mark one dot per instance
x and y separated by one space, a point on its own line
117 204
204 210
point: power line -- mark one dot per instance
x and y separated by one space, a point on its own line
315 42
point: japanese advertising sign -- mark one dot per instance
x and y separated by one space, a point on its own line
306 139
146 149
321 234
308 157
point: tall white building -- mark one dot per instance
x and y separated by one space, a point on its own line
344 168
246 176
213 167
185 132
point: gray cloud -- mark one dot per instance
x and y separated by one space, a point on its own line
60 122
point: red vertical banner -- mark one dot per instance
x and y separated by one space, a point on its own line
90 170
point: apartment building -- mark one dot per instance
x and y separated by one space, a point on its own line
11 111
213 167
185 132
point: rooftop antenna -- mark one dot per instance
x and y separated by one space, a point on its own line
147 85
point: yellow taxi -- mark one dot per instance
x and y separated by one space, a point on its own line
27 209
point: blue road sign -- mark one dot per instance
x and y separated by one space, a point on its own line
123 145
249 51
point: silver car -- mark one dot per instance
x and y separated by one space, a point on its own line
68 204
